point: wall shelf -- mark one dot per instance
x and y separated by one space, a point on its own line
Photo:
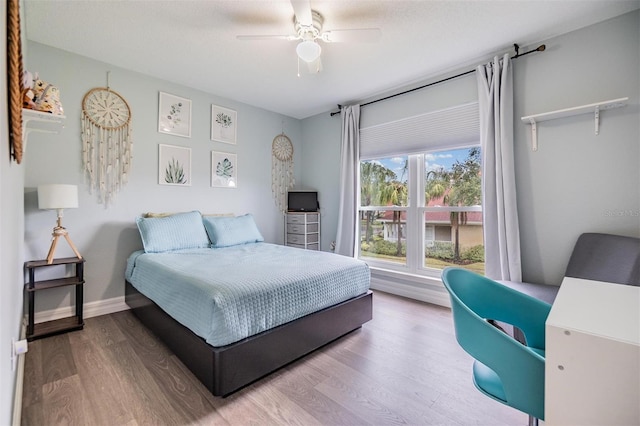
594 108
38 121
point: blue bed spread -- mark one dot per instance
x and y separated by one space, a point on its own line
227 294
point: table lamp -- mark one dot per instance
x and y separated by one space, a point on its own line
58 197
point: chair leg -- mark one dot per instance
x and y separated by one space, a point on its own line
533 421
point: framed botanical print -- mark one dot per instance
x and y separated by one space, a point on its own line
174 115
224 170
224 124
174 165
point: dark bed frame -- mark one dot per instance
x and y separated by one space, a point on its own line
226 369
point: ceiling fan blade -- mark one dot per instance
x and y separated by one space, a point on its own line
267 37
366 35
315 67
302 10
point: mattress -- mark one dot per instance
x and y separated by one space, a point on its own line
227 294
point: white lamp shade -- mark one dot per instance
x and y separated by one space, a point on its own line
308 50
56 196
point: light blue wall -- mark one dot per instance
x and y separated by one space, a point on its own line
11 246
576 182
105 237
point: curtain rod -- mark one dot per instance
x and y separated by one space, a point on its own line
540 48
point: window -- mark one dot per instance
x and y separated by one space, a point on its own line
384 198
421 212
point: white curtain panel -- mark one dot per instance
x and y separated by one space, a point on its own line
349 176
500 215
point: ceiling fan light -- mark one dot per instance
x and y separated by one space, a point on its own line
308 50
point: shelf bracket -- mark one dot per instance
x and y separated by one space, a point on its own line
55 122
597 119
534 134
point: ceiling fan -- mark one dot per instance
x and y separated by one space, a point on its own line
308 30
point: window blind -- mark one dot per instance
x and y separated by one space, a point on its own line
454 127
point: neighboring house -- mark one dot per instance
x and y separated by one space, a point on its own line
437 227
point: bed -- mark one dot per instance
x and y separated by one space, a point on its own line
234 308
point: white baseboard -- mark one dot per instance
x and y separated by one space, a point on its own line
388 285
91 309
16 419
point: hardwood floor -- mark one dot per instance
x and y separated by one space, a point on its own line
403 367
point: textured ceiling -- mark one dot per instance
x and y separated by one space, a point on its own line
194 42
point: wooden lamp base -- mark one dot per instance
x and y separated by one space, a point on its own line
60 231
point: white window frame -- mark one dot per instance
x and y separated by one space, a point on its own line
415 213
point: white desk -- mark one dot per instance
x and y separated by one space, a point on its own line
592 374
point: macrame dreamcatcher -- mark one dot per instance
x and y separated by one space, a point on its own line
281 169
106 142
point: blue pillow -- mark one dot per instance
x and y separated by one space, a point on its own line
230 231
175 232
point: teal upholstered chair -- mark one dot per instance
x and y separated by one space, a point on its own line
504 369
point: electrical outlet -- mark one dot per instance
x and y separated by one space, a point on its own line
17 348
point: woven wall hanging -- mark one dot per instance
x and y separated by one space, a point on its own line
282 178
106 142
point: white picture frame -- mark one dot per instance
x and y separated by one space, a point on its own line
224 124
174 165
224 170
174 115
